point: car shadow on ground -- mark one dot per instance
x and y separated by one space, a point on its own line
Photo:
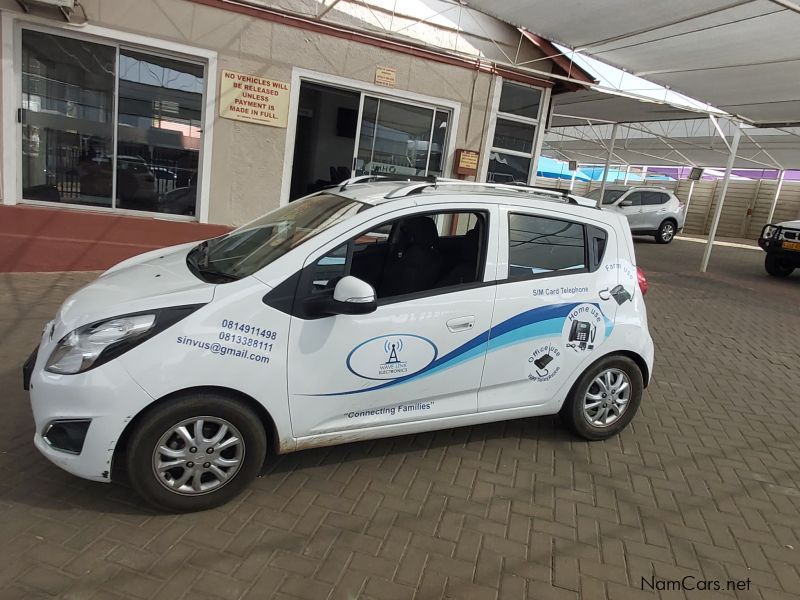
52 490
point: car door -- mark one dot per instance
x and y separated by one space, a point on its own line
419 355
556 303
630 205
654 207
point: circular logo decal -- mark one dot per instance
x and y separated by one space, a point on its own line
584 328
391 356
544 363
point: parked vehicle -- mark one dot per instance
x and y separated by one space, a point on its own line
650 210
180 201
370 310
136 182
781 242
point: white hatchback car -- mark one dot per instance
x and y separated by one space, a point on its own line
650 210
370 310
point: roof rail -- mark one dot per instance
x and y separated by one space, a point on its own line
368 178
416 188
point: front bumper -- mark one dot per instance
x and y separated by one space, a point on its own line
106 396
775 248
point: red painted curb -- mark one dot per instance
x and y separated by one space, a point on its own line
38 239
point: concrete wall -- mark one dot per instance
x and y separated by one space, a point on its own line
248 158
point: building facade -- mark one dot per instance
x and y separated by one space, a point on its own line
218 111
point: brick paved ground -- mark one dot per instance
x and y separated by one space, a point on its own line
706 482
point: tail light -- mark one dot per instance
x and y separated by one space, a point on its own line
642 280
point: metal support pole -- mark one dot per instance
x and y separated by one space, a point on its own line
688 201
689 195
608 162
777 193
572 180
627 173
737 133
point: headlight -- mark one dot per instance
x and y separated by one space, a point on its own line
79 349
97 343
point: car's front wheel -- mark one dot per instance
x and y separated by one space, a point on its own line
777 267
605 398
195 452
666 232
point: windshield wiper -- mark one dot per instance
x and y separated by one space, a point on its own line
197 261
212 272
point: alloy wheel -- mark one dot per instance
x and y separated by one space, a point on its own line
607 398
198 455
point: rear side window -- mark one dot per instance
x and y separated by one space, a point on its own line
653 198
541 245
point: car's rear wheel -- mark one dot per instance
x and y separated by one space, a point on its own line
605 398
666 232
195 452
777 267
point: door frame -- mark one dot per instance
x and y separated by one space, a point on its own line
299 75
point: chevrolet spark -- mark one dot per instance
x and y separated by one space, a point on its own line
370 310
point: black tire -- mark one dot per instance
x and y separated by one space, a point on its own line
572 412
161 419
666 232
777 267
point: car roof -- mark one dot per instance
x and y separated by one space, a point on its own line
376 191
656 188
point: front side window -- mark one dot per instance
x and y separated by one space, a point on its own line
609 197
411 255
253 246
633 199
541 245
71 91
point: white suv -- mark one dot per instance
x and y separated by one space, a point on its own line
650 210
369 310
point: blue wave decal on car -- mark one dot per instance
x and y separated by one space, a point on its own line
531 324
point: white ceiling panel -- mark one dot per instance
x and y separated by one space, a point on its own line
569 108
680 143
742 56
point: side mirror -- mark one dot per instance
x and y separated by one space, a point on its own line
625 203
351 296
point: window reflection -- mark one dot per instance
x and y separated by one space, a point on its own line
436 163
400 139
508 168
67 130
68 152
158 143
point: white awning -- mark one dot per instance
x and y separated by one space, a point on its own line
741 56
575 108
676 143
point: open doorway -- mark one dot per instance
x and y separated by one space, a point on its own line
327 121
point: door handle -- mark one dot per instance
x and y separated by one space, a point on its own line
461 324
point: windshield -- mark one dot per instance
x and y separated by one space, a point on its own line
244 251
610 196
